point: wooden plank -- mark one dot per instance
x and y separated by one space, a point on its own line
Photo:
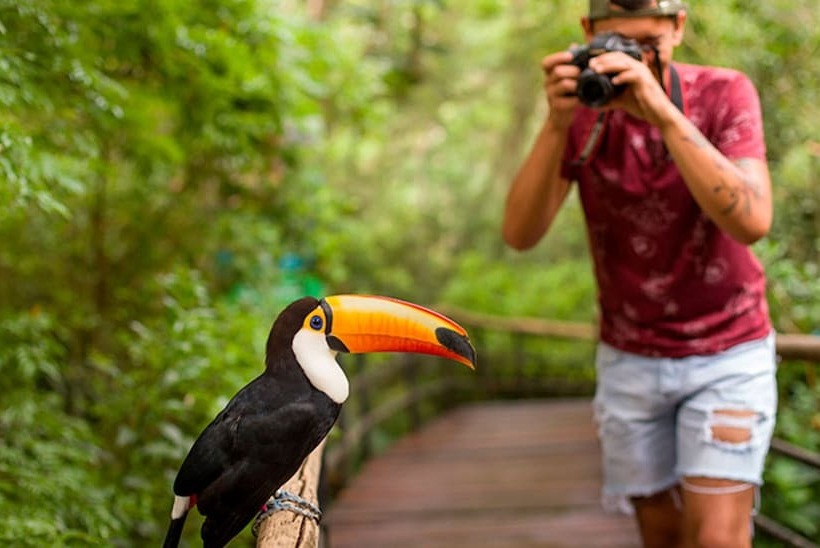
491 474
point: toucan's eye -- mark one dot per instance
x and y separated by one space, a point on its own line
316 323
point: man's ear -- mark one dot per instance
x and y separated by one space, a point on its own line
680 24
586 24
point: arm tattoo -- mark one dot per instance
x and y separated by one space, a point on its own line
742 190
752 183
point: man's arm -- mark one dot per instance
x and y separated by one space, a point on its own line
538 190
736 195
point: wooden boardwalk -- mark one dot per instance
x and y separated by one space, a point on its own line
500 474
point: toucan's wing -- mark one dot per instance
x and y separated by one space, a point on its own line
210 454
259 423
232 500
214 450
268 447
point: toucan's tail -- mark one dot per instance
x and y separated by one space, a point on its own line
178 515
174 532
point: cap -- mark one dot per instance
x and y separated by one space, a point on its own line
601 9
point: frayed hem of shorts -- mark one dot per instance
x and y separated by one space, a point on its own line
757 481
619 503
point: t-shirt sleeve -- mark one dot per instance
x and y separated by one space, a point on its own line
739 121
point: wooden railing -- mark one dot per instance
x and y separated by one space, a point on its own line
411 388
392 397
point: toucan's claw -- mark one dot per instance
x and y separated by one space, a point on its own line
285 500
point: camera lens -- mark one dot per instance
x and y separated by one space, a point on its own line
595 89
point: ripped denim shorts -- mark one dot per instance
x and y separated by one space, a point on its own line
655 417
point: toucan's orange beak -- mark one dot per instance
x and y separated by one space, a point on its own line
368 323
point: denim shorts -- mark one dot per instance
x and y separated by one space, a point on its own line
655 417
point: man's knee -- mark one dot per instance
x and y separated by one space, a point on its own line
720 537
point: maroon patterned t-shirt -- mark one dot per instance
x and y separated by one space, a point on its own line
670 282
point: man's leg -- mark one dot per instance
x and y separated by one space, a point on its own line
660 519
724 431
637 429
717 513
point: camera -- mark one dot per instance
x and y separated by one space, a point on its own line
595 89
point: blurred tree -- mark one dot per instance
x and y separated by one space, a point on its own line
139 143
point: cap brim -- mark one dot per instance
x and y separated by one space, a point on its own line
602 10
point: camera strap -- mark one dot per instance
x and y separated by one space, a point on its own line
677 92
593 140
596 134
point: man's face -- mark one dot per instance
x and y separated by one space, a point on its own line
663 33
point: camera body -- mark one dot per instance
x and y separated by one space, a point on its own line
596 89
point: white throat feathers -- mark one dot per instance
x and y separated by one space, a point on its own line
319 363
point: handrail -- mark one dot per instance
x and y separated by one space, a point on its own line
522 325
790 346
797 453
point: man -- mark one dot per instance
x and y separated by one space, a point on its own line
674 184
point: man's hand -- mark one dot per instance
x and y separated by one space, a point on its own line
644 97
561 85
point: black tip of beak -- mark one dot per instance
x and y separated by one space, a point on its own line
456 342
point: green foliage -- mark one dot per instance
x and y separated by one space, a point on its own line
186 362
792 490
793 288
564 290
799 487
49 459
151 158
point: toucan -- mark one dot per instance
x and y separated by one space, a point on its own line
264 433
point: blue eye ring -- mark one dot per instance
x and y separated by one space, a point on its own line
316 323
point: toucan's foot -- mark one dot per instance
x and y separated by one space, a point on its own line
289 501
285 500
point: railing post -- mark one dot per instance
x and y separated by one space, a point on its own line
410 377
520 357
287 529
483 372
364 409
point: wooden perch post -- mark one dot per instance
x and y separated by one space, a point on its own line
286 529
